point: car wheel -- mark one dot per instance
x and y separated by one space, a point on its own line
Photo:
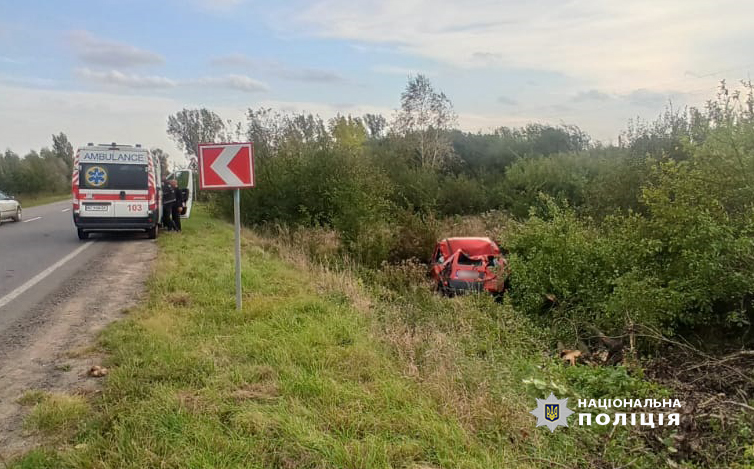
18 215
152 232
83 234
443 290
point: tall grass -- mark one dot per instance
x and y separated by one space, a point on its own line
299 378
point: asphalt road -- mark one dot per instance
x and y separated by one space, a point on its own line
40 255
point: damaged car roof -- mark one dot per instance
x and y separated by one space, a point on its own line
473 246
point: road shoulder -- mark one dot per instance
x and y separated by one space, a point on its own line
51 350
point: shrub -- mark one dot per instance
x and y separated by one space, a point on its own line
558 268
685 262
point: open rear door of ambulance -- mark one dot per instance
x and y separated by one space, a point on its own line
185 178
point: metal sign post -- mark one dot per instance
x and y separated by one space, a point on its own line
228 166
237 221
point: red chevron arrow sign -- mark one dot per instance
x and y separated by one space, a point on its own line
226 166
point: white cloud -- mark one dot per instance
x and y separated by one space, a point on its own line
646 98
129 80
118 79
278 69
590 95
505 100
606 44
95 50
29 116
31 82
235 82
233 60
402 71
219 5
325 110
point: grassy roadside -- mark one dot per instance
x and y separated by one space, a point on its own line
297 379
321 369
28 201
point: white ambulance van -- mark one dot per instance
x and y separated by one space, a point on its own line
116 188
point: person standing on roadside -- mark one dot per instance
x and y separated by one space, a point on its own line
178 206
168 201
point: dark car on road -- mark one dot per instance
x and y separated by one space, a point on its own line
468 264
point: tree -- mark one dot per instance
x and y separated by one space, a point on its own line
376 125
285 134
163 157
349 133
264 128
63 149
425 118
10 164
234 132
190 127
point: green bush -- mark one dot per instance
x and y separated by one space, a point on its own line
558 269
461 195
608 382
654 232
328 188
685 262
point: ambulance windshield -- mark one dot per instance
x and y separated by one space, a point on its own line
113 176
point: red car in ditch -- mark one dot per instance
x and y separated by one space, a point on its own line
468 264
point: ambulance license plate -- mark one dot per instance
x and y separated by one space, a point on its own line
95 207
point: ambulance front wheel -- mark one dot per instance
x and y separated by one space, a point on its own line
152 232
83 234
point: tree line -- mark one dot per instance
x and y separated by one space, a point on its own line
47 171
655 230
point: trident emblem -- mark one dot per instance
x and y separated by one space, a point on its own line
552 412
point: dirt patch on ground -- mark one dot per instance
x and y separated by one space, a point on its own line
56 353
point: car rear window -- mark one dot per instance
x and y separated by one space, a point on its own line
113 176
463 259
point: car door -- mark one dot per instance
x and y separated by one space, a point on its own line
439 258
189 194
6 205
185 178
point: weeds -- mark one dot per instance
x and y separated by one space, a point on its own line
298 378
55 416
327 365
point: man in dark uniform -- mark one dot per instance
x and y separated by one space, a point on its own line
168 201
178 205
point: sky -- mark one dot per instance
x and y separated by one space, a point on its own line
113 70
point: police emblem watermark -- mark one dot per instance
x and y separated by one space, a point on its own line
552 412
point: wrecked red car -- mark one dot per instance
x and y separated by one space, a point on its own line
468 264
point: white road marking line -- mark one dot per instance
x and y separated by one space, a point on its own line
41 276
32 219
66 209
